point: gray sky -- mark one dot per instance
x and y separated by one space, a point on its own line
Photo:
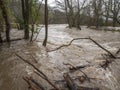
50 2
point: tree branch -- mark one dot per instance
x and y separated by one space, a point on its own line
66 44
40 72
113 56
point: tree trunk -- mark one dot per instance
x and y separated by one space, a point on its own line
70 13
106 21
114 22
5 16
97 22
108 7
46 24
78 17
25 14
118 21
66 11
1 38
32 30
0 32
27 20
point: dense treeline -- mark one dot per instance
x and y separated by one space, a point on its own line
26 14
91 12
23 14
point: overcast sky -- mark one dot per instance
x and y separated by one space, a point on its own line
50 2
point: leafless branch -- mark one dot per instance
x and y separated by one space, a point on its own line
40 72
113 56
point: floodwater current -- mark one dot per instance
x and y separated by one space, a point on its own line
80 52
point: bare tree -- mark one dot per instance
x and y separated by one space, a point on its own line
15 6
1 28
118 20
89 14
5 16
46 24
107 4
73 10
97 10
79 9
115 10
35 15
1 40
70 13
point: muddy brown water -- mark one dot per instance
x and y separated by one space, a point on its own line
81 52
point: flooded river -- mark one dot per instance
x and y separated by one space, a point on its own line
80 52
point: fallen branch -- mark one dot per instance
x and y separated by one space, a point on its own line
87 88
37 84
12 40
113 56
102 48
34 85
28 82
66 44
40 72
31 65
105 64
75 78
70 83
78 69
72 86
47 81
107 61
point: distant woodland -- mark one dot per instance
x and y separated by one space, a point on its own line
25 14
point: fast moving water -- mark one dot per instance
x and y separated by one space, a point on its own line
81 52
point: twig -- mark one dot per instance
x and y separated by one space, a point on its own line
38 33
